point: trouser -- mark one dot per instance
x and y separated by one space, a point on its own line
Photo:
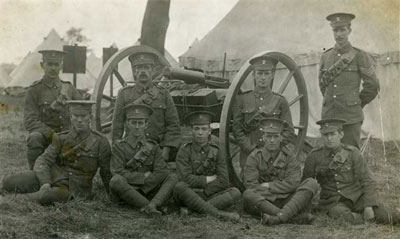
352 134
346 210
36 143
199 202
28 184
285 208
120 189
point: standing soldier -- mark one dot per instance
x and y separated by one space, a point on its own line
44 111
342 68
204 185
67 167
348 187
251 107
164 122
272 177
141 176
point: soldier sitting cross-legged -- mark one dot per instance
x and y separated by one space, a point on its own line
67 167
272 177
141 176
204 185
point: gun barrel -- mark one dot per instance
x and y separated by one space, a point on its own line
189 77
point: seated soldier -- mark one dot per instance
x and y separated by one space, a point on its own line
67 167
141 176
203 172
348 187
272 177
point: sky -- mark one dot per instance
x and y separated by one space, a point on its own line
24 23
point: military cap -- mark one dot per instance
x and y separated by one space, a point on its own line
340 19
142 58
330 125
199 117
263 63
272 125
80 106
52 55
138 111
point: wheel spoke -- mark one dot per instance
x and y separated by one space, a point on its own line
119 77
285 83
106 125
295 100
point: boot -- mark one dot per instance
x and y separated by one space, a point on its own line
32 155
303 218
151 210
299 200
229 216
226 199
270 219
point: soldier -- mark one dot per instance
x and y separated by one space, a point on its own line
341 70
67 167
44 111
141 176
204 185
348 187
164 122
272 177
251 107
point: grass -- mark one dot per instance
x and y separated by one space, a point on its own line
99 218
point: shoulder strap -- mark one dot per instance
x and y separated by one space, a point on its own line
338 67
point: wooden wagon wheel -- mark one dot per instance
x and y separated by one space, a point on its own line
293 72
111 68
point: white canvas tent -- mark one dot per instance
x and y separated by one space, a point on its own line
29 69
298 28
4 78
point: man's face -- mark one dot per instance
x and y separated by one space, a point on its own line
137 127
201 133
341 34
143 73
332 139
81 121
51 68
272 140
263 78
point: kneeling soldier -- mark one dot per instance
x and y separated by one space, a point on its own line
203 172
66 169
272 177
348 187
141 176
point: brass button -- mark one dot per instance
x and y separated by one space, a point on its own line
261 98
334 96
339 54
335 86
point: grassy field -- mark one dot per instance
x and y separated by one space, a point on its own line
100 219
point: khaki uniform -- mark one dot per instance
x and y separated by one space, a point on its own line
163 123
129 163
346 182
194 163
69 165
285 190
248 110
41 118
341 71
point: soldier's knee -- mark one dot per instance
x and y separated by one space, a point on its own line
249 196
310 185
9 183
36 140
116 182
180 187
235 194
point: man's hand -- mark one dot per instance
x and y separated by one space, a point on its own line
165 153
147 174
209 179
265 185
369 214
45 186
